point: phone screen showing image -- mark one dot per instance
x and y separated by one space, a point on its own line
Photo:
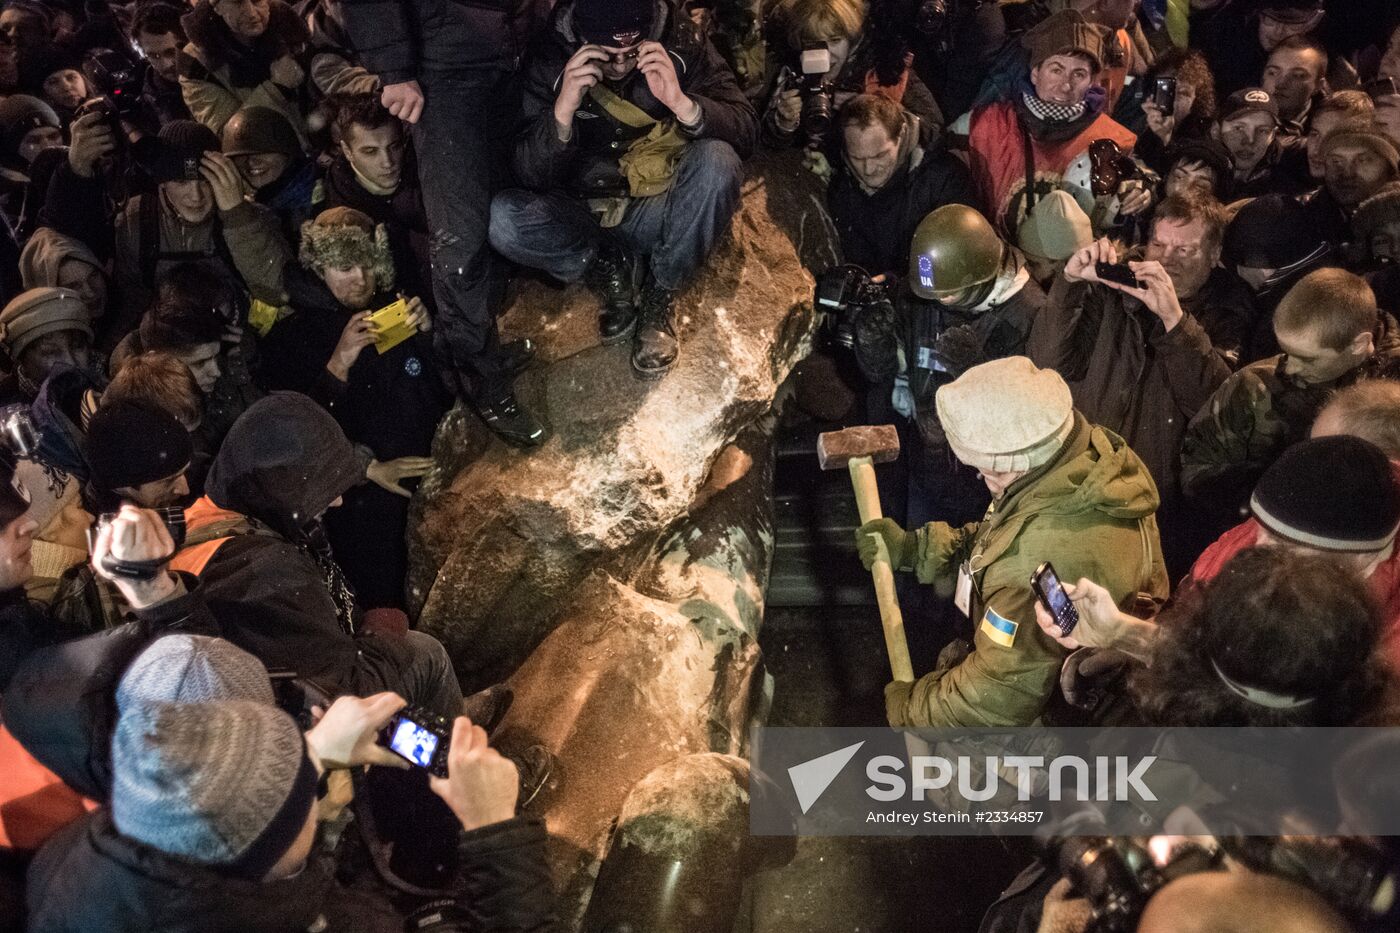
1057 600
414 742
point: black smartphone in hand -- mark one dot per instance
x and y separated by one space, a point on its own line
1052 595
1164 95
1117 272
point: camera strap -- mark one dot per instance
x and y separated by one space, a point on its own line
1029 152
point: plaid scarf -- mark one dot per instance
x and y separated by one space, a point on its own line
1052 113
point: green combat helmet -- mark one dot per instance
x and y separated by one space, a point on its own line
954 253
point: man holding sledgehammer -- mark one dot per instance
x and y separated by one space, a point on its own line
1064 491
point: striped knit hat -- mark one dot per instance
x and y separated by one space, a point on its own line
1330 493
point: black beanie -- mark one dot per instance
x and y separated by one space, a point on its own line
128 445
614 23
1271 232
1330 493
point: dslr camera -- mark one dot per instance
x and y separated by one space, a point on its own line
1118 876
817 93
113 78
844 294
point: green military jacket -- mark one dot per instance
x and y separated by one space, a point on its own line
1258 413
1090 512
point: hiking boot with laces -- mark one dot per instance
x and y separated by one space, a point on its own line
611 275
655 348
511 422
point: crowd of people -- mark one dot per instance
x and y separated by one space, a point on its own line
1122 273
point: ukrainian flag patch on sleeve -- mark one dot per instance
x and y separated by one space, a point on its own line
998 629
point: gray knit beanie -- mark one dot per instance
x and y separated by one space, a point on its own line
227 785
193 669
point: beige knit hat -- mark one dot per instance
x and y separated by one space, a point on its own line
1006 416
1055 229
39 311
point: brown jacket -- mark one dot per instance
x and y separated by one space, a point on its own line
1126 372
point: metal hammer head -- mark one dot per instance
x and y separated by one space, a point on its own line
879 442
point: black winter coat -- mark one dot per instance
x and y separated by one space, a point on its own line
401 213
876 227
404 40
61 702
587 165
392 403
89 877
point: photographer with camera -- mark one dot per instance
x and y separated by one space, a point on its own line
886 182
967 299
1062 489
635 129
831 52
387 397
212 826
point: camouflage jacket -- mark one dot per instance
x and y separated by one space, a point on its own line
1091 512
1260 411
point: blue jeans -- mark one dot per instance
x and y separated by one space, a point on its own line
677 229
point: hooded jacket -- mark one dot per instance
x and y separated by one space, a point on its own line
877 225
90 877
1260 411
1089 511
1127 373
267 589
219 74
587 165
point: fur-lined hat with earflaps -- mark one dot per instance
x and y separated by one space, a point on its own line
341 237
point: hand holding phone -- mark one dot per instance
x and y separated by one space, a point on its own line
1052 595
1118 273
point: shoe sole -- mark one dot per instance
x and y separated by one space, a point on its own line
651 375
620 337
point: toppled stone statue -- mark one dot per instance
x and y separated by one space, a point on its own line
617 574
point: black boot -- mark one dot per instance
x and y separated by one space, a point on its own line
612 275
656 346
511 422
519 355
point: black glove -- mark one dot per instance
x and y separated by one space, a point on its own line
1089 674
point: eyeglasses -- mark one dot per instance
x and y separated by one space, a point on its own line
625 56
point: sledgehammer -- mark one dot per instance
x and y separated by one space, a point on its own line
859 449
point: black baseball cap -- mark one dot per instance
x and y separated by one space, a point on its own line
1249 100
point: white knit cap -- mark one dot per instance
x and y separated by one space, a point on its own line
1006 416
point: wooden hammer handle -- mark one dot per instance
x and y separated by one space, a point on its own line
892 620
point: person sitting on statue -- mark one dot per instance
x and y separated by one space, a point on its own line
634 131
